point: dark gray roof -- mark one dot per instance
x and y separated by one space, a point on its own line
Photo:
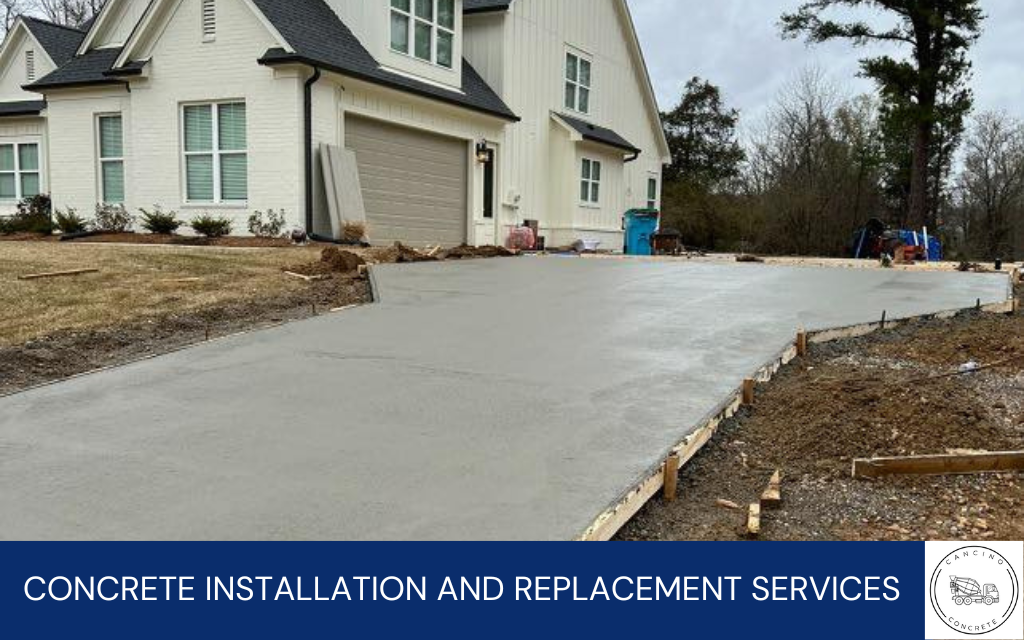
601 135
60 42
21 108
90 68
485 6
320 38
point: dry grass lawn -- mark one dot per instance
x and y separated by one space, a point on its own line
134 283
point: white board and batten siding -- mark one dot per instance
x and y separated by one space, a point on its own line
528 63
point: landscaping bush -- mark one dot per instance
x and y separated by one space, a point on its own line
272 227
159 222
68 221
113 218
33 216
207 225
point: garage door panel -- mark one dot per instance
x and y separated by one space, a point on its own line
414 183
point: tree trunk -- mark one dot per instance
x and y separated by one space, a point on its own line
920 167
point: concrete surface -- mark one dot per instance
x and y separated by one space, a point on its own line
508 399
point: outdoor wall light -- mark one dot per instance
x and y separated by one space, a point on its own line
483 154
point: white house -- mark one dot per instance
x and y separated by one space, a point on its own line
466 117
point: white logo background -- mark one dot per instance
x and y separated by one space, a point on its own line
968 565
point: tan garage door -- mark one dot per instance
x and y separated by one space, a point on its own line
414 183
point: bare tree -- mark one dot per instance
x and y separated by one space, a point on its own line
990 189
9 12
72 13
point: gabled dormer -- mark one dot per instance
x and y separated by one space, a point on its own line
33 48
114 25
418 38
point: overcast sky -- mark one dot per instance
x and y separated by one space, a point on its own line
736 45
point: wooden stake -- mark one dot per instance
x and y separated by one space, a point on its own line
754 521
801 344
940 465
884 317
57 274
671 478
748 392
772 496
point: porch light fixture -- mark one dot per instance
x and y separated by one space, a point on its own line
483 154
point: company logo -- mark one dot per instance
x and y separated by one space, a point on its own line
974 590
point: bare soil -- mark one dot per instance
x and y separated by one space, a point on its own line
881 395
156 239
66 353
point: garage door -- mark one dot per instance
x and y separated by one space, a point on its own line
414 183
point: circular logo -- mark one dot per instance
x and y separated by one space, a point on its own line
974 590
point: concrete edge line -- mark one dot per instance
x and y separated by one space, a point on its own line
610 521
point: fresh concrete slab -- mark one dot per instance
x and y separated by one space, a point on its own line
505 399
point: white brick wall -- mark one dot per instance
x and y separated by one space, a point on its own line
186 69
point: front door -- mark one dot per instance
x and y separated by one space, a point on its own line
487 224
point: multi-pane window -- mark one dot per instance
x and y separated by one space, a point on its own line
652 193
216 153
577 83
111 137
424 29
590 184
19 171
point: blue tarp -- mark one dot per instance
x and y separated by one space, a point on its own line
916 239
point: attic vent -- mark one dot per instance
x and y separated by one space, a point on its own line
30 65
209 19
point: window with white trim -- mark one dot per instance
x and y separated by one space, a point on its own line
111 158
215 150
577 83
30 65
424 29
209 20
652 193
19 171
590 184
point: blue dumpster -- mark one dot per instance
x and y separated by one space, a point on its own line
641 225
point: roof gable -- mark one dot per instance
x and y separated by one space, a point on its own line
59 42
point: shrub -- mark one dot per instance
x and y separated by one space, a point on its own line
207 225
113 218
159 222
68 221
273 227
33 216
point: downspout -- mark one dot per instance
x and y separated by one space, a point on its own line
308 106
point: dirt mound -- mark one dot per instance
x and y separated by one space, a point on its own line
332 260
466 252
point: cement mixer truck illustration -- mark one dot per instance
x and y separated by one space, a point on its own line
968 591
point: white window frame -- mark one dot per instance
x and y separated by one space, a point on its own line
216 152
577 82
590 181
101 160
652 199
17 143
435 28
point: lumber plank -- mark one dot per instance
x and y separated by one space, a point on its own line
57 274
940 465
305 277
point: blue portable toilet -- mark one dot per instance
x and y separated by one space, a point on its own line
641 225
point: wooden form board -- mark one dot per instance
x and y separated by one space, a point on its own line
940 465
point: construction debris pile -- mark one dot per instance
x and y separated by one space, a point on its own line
335 260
